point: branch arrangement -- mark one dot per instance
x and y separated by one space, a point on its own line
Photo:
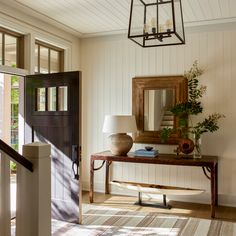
192 107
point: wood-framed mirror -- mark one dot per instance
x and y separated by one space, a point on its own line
152 99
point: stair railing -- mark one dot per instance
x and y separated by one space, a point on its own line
29 186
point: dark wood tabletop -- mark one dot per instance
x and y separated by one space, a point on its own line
165 159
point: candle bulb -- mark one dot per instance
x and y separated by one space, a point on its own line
153 24
146 28
161 28
168 25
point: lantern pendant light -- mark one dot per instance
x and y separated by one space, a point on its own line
156 23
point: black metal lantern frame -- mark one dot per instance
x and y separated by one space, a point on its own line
156 23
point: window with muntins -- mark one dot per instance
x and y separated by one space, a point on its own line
48 58
11 48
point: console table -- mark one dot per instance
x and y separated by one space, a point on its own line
209 164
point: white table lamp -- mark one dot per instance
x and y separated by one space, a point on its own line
118 126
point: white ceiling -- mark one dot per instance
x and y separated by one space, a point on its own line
97 17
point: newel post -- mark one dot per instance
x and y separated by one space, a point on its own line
5 206
33 215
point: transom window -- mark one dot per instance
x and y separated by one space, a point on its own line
48 59
11 48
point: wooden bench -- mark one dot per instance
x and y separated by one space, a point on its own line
155 189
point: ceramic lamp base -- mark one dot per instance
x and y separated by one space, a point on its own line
120 144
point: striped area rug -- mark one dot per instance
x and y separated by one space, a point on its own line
111 221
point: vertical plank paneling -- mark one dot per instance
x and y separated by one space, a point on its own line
108 66
203 60
86 118
150 169
100 71
230 176
193 171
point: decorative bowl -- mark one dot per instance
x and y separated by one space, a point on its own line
148 148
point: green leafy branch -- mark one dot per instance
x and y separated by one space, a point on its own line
192 107
209 124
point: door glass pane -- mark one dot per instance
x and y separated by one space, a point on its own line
41 93
44 52
36 50
63 98
0 48
54 61
10 50
52 99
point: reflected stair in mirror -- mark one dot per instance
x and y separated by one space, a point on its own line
167 120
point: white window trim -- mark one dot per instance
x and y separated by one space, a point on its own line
13 71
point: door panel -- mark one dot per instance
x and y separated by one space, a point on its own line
53 116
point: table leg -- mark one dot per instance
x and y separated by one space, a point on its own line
91 192
213 191
216 183
107 187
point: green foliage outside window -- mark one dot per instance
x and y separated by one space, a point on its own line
14 111
13 166
14 89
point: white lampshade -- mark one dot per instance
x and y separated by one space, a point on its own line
119 124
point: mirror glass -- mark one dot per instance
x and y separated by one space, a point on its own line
157 105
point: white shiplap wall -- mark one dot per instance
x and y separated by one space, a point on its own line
108 65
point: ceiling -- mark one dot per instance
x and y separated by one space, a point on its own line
100 17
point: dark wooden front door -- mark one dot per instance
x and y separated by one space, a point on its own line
53 115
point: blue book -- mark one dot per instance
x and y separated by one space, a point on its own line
146 155
143 152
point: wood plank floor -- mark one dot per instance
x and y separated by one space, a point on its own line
178 208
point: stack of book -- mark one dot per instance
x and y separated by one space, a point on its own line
145 153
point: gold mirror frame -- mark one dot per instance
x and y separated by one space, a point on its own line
139 85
